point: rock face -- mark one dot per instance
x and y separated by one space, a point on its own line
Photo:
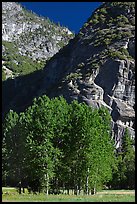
97 67
32 36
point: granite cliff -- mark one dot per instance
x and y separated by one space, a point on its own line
28 40
97 67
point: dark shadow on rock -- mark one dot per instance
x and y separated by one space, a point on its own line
19 92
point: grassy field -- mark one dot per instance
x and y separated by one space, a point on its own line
11 195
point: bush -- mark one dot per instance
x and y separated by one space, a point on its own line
3 75
124 51
132 21
103 10
73 76
126 34
95 65
95 21
122 18
116 54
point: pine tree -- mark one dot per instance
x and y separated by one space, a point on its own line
124 174
13 148
128 158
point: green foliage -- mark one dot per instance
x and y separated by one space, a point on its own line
47 126
126 34
61 44
10 47
125 52
12 148
116 54
122 54
108 37
95 21
101 148
95 65
56 141
19 64
3 75
17 55
121 20
108 23
103 10
132 21
124 174
73 76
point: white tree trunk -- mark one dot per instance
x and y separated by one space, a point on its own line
47 185
87 181
94 190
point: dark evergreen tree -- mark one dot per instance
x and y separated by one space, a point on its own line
124 174
13 148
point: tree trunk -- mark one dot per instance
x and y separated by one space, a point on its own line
20 187
47 185
94 190
19 190
63 188
68 191
57 186
87 186
77 189
95 182
87 181
72 191
23 190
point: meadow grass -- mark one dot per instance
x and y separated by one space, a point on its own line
11 194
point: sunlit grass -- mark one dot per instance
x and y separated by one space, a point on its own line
10 194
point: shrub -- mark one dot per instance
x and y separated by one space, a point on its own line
81 65
120 24
95 21
123 19
3 75
73 76
95 65
116 54
103 10
124 51
126 34
132 21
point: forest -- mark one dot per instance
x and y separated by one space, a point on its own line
54 146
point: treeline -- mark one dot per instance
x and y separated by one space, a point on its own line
54 146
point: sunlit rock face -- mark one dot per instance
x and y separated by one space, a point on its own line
31 35
100 66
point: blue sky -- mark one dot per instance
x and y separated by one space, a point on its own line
70 14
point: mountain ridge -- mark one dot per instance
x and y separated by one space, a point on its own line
96 67
29 37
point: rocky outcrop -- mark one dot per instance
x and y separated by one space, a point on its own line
100 73
97 67
26 34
